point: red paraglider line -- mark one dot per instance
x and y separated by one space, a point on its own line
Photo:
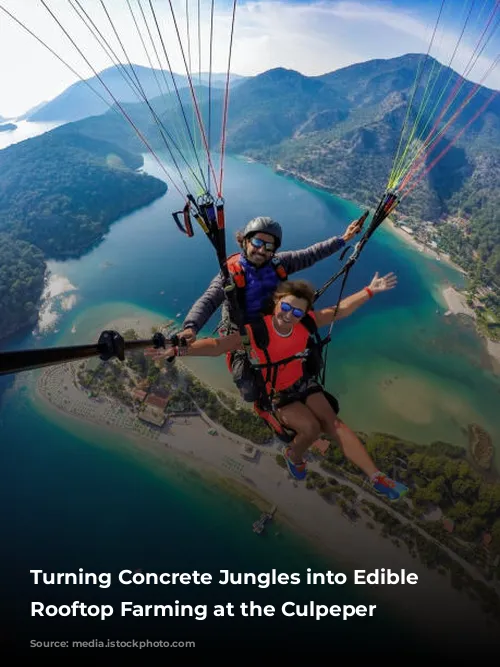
445 150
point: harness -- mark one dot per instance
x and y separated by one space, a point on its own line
267 373
311 356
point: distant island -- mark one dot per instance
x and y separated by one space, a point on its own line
449 522
59 194
8 127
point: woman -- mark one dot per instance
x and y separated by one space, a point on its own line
299 401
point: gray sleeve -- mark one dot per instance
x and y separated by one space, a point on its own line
297 260
205 307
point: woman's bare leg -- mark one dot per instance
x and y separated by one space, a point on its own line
349 442
299 418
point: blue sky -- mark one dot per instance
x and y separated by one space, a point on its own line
310 36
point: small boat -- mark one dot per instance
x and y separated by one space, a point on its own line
259 525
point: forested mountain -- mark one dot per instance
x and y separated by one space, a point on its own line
80 99
278 105
22 271
59 193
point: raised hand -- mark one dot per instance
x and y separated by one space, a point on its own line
354 228
388 282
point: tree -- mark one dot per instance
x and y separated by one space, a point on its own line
432 466
490 493
465 487
460 512
451 470
471 529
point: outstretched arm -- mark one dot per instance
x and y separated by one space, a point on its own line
348 305
203 309
207 347
297 260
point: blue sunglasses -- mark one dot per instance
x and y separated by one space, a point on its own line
259 243
287 308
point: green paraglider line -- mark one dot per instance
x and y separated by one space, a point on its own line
397 161
405 193
405 167
422 152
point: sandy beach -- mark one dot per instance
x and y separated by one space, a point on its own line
417 245
220 457
493 348
456 302
457 305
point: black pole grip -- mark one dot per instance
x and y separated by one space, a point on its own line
176 342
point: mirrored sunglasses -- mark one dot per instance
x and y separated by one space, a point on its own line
259 243
287 308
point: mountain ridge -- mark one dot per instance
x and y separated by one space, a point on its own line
79 100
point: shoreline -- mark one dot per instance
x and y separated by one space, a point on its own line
397 231
457 306
420 247
263 483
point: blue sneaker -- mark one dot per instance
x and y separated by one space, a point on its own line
296 470
387 487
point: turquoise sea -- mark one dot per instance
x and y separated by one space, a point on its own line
79 498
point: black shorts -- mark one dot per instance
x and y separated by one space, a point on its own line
299 392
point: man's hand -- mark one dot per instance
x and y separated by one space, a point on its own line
354 228
189 335
383 284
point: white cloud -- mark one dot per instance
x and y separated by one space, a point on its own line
313 38
468 58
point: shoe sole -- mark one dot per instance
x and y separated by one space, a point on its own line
392 500
297 479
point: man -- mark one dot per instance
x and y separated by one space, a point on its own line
257 270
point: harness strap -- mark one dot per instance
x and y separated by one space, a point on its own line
280 362
236 270
267 366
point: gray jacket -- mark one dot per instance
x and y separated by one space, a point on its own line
292 261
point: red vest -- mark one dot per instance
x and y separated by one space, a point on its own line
279 348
